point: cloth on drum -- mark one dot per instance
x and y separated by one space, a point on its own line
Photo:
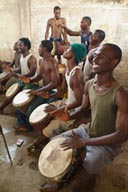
23 119
97 157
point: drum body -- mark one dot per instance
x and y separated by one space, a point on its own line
22 100
58 165
12 91
3 76
39 118
58 48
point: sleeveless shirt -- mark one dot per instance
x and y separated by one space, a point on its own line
24 65
103 110
71 96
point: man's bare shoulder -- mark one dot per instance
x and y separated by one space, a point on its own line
122 96
50 20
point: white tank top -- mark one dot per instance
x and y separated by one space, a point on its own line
71 96
24 65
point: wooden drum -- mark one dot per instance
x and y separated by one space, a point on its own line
22 100
58 165
58 48
12 91
39 118
3 76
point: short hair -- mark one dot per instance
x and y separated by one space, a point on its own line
26 42
57 8
88 19
47 44
116 50
101 34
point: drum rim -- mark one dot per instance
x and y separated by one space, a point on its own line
31 115
59 174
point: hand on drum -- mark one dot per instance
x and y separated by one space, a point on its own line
24 79
44 94
73 142
32 92
50 108
61 114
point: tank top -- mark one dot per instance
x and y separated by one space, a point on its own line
24 65
71 96
85 39
103 110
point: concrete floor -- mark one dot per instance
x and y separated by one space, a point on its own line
23 175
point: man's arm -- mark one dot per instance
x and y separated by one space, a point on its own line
85 104
32 64
70 32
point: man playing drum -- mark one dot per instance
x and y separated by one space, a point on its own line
109 125
49 74
27 68
73 84
56 30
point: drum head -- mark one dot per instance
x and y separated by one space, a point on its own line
3 75
22 98
12 90
53 161
38 114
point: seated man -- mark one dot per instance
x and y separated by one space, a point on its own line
73 81
49 74
108 127
27 68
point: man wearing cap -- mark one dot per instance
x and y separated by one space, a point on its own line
73 84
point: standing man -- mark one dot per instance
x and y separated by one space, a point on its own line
57 32
84 32
109 125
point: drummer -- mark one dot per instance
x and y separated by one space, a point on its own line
49 74
73 83
57 31
109 125
27 68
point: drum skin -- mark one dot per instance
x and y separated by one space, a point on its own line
3 76
53 161
22 100
12 90
39 118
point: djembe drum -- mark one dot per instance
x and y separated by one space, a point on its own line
58 165
22 100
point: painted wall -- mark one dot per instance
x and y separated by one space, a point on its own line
29 17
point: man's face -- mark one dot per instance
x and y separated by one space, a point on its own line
21 47
68 54
57 13
94 39
102 60
84 24
41 50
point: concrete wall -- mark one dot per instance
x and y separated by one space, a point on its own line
29 17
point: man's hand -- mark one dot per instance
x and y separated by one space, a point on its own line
73 142
61 114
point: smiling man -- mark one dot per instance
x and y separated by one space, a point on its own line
108 129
